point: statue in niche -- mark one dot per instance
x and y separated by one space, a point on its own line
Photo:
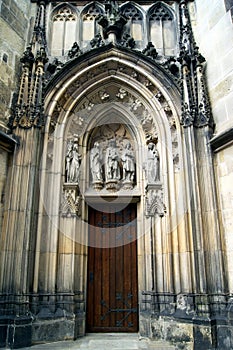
72 163
128 161
68 159
153 164
74 51
95 163
112 162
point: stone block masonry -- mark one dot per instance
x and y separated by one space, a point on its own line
14 16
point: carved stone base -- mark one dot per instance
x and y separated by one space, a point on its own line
97 185
15 332
127 185
71 204
154 200
53 330
112 185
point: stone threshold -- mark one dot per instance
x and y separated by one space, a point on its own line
106 341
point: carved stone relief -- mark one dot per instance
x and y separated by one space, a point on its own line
72 162
112 95
112 166
154 200
153 164
71 204
96 161
120 95
154 192
112 158
81 114
128 162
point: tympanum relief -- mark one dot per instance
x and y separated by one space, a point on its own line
112 159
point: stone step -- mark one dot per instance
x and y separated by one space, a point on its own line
106 341
121 342
109 345
154 345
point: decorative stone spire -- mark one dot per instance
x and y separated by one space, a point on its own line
113 22
195 105
28 110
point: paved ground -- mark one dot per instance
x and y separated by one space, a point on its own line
108 341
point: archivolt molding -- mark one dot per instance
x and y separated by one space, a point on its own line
107 61
131 91
144 93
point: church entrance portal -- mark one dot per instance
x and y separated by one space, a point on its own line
112 301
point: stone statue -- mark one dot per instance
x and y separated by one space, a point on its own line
128 161
112 162
97 41
28 56
72 163
68 160
152 164
74 51
95 163
150 50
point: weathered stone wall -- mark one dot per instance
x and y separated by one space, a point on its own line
224 172
14 25
3 173
213 29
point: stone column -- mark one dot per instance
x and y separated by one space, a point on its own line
210 281
18 236
20 217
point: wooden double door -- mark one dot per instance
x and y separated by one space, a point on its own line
112 290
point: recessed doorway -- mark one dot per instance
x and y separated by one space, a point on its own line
112 290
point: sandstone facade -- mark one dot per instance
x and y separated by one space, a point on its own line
116 128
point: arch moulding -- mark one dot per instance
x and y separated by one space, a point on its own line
111 94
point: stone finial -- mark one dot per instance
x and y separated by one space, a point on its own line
150 51
128 41
113 21
97 41
195 103
28 57
74 51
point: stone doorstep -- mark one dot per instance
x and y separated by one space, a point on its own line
106 341
119 344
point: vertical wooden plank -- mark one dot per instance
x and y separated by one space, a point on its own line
127 269
98 269
134 279
112 277
105 271
90 281
118 268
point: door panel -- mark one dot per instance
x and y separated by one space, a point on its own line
112 271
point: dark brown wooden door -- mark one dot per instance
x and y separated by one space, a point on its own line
112 296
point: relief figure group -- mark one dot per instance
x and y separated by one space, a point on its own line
114 167
111 164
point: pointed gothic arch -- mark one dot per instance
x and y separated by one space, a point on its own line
168 122
135 16
162 28
89 27
64 20
84 96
